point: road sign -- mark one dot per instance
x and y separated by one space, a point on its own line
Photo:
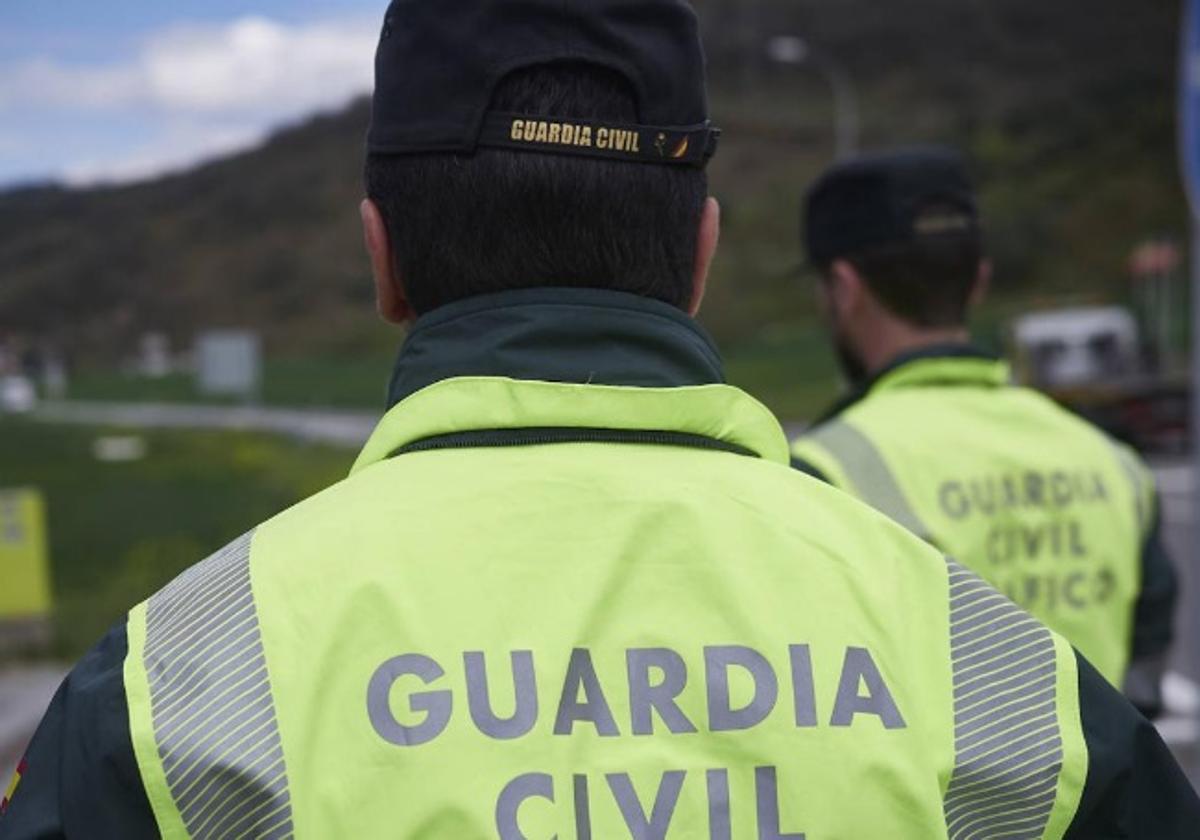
1189 105
229 363
25 600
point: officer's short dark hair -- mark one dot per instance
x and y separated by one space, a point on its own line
463 226
927 280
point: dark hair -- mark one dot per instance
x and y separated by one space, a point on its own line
499 220
927 281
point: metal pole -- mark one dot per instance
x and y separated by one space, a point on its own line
845 97
846 116
1191 618
795 51
1189 141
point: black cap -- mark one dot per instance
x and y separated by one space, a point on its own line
888 199
439 62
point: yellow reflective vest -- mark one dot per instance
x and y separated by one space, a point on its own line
540 609
1036 501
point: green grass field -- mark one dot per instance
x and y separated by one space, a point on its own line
329 381
119 532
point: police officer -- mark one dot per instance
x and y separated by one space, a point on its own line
566 591
1048 509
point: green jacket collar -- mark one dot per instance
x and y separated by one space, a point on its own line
943 365
566 359
583 336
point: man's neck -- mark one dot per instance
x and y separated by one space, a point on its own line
896 340
582 336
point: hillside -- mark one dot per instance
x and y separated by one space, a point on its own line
1067 109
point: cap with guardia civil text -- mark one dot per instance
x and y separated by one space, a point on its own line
439 62
888 199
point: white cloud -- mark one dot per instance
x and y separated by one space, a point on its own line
250 63
44 83
255 63
209 90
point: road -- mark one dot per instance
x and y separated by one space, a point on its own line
339 428
1178 494
24 695
1176 489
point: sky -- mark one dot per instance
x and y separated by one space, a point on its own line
113 91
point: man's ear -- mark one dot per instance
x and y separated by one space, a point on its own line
707 240
391 300
847 289
983 284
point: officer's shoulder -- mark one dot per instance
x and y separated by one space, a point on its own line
418 494
818 507
809 450
1071 423
863 411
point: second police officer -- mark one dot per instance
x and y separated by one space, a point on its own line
1055 514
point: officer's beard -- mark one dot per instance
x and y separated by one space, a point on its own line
854 369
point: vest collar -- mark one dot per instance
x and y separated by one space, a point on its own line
947 366
942 365
566 359
582 336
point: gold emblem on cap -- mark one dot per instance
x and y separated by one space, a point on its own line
934 223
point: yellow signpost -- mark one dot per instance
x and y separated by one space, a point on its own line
25 599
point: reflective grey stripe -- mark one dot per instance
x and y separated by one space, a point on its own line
1007 743
211 705
864 466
